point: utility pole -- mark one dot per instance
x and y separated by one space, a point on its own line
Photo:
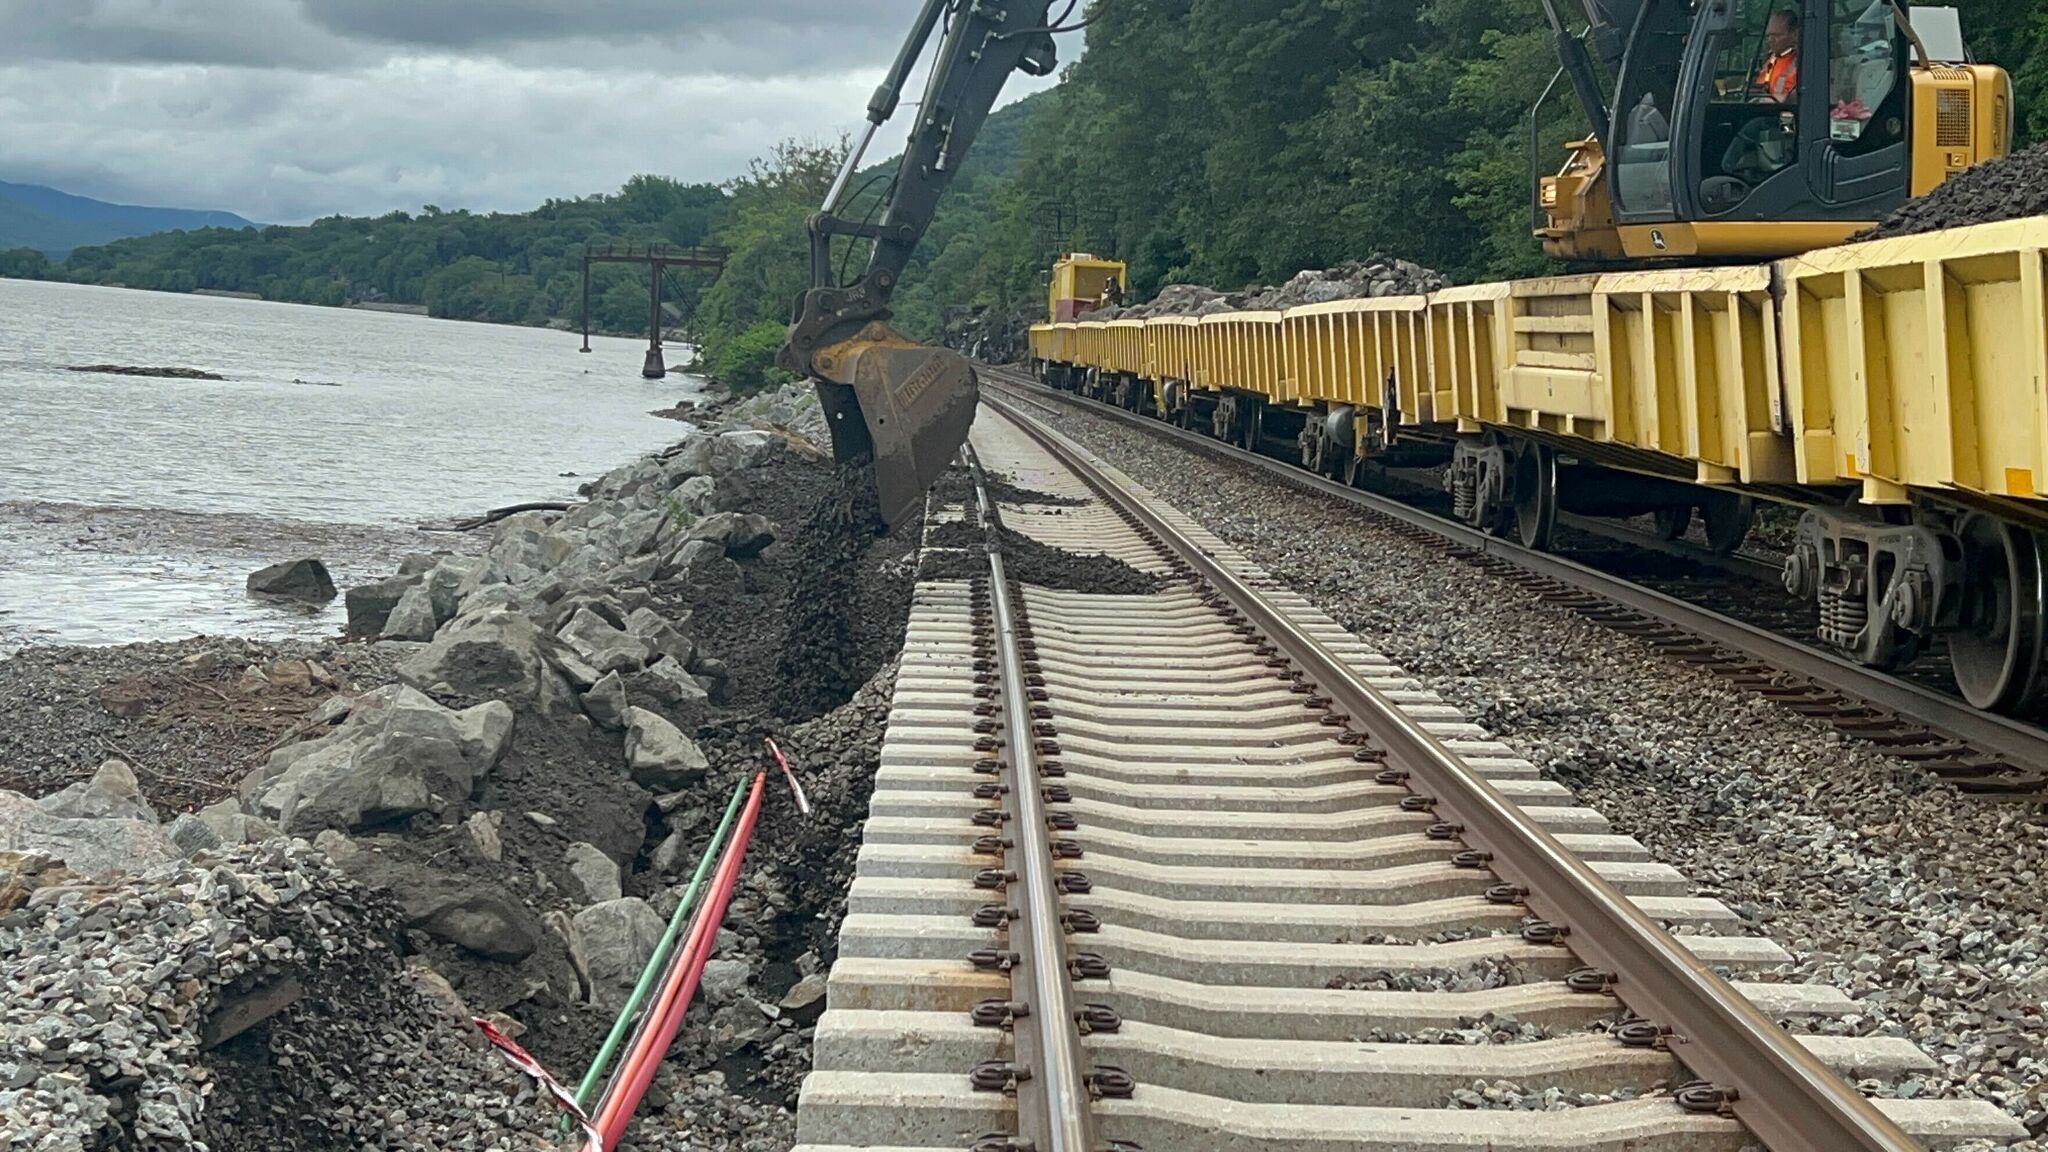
652 367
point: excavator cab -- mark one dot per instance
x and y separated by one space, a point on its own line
1753 129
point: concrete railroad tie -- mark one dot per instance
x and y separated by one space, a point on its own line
1274 922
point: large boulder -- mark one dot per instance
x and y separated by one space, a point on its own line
628 479
604 602
693 495
232 826
450 580
519 552
564 539
192 835
610 943
746 448
695 456
303 579
704 565
397 751
636 532
501 597
477 917
604 647
743 535
605 702
638 570
87 845
668 684
661 635
111 794
594 872
659 757
370 605
413 617
497 654
589 562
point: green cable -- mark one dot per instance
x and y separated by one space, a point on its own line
594 1078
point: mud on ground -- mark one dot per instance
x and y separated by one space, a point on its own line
1029 562
189 716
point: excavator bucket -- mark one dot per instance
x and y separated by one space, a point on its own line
905 404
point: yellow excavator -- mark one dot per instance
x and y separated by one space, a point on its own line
887 398
1728 130
1721 130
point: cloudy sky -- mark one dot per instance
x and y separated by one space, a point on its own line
285 110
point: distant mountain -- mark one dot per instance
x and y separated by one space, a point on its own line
53 222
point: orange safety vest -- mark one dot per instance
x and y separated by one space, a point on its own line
1780 76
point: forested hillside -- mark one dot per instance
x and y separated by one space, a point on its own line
1216 141
53 222
522 268
1223 141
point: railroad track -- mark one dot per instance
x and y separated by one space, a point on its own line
1197 870
1977 751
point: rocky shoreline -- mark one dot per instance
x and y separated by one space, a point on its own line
290 872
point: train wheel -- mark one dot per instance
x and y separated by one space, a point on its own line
1728 517
1337 461
1672 522
1535 496
1996 653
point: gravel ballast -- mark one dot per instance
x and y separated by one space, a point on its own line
1922 904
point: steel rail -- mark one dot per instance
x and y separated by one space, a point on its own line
1053 1100
1768 1081
2019 744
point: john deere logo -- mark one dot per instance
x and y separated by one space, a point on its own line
1657 239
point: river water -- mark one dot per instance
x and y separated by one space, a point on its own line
132 508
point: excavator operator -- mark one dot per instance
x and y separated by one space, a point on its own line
1766 143
1777 82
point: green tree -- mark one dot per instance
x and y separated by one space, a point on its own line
768 262
24 264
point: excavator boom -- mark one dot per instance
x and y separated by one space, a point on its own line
905 406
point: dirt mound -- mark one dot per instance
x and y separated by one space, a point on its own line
1031 562
2005 189
830 631
956 486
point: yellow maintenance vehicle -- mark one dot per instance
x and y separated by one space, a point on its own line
1728 130
1084 283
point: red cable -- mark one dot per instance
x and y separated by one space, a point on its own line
616 1111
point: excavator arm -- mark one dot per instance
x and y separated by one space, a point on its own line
886 397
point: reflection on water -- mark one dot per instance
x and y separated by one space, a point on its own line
423 419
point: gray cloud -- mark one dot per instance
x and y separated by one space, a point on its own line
284 110
473 23
742 37
244 32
